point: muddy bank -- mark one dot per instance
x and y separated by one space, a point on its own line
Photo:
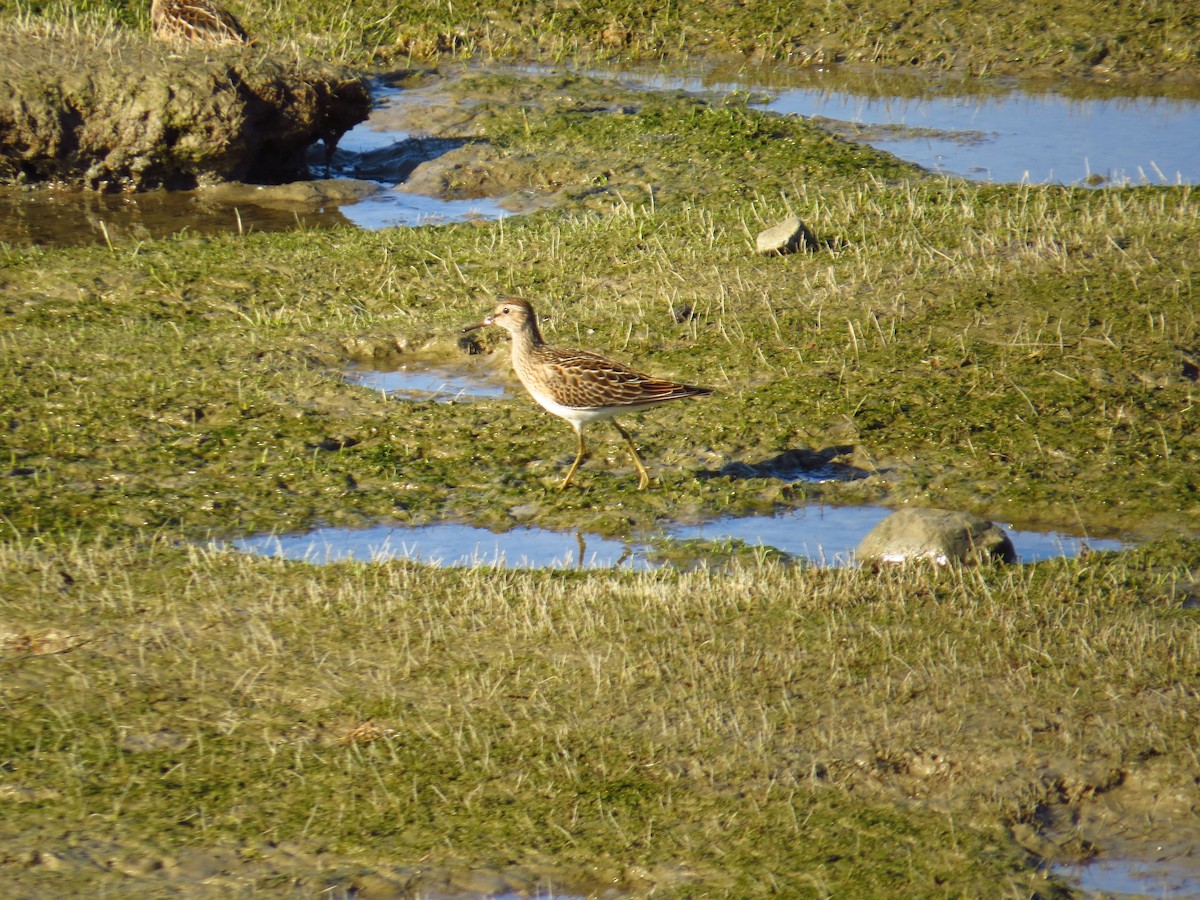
118 112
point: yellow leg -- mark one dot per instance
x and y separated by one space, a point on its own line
643 477
579 457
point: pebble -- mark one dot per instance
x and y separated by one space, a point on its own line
786 236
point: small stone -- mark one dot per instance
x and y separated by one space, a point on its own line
787 236
935 535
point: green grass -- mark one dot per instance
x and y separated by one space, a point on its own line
1141 40
1019 351
756 727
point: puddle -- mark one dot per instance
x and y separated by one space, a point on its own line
59 218
1007 137
823 535
1129 878
827 535
393 208
450 545
1047 138
812 466
382 150
421 381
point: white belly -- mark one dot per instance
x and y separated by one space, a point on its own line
579 417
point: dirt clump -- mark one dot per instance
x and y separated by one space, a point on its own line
116 112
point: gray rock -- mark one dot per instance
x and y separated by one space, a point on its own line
937 535
121 112
787 236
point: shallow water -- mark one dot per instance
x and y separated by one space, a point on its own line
379 151
59 218
823 535
391 209
1130 878
1046 138
1014 137
429 382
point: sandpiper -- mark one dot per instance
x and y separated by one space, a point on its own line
195 22
580 387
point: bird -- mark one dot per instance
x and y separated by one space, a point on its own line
579 386
195 22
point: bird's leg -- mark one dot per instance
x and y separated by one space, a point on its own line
643 476
579 457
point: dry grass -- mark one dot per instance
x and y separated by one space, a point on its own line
1135 41
613 719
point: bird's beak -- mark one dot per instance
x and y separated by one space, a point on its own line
488 320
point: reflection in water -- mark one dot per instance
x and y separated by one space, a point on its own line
429 382
449 545
1013 137
1131 878
48 217
822 535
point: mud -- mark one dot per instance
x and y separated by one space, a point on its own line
119 113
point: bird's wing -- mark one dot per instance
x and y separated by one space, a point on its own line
585 380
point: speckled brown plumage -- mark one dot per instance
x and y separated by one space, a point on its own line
579 386
195 22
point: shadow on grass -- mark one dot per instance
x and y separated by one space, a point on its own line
797 465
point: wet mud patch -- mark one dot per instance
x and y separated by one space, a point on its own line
252 869
131 115
830 464
1133 830
875 133
439 368
442 124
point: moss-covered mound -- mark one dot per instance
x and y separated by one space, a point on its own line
118 112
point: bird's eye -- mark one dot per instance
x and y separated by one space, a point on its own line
505 311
